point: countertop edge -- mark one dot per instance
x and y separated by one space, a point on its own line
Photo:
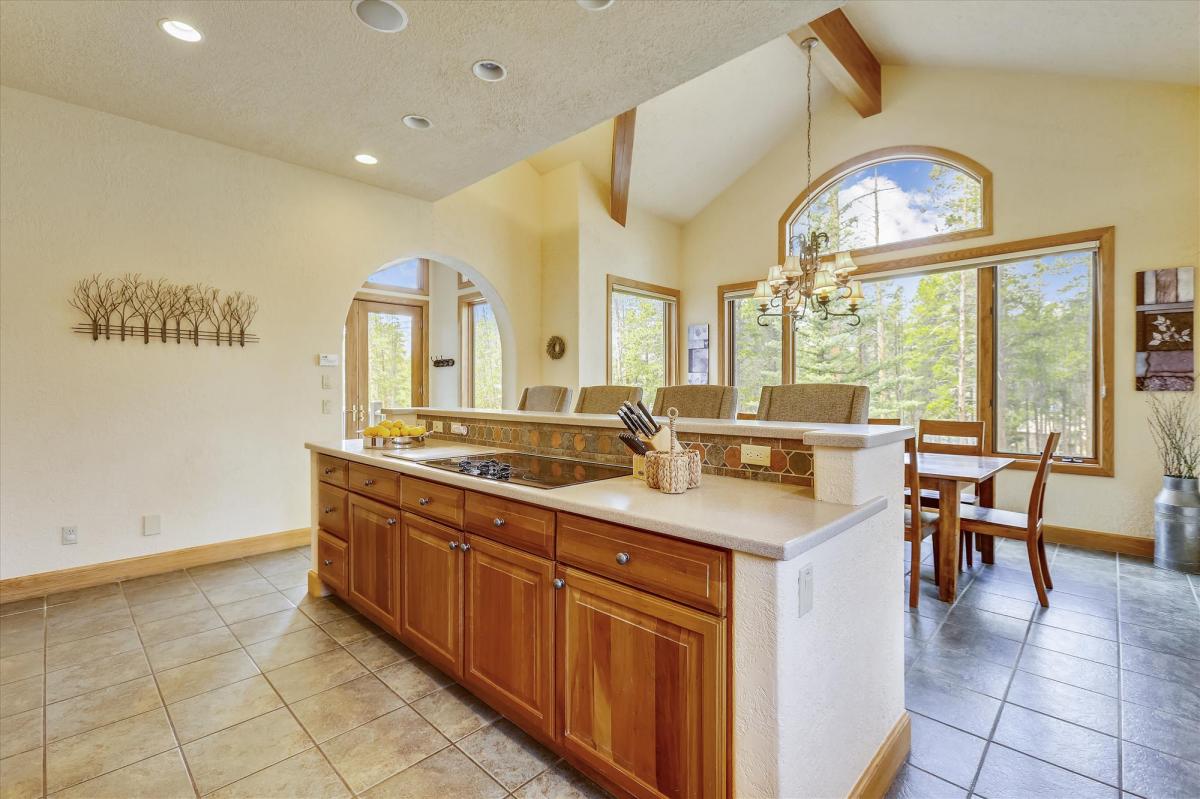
819 536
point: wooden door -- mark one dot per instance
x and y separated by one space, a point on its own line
374 549
509 632
431 586
386 358
641 684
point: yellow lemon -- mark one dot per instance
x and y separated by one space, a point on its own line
419 430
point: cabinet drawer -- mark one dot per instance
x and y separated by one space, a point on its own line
331 510
690 573
514 523
378 483
443 503
331 561
331 470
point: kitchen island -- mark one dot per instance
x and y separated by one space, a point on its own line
736 640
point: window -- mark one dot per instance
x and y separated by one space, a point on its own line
756 351
386 345
482 362
642 335
407 277
894 198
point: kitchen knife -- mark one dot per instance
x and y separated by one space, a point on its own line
632 413
649 418
628 421
635 444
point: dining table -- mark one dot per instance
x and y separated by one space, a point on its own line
950 475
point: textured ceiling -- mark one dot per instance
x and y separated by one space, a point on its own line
308 83
1156 40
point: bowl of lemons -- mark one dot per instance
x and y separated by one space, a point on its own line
393 435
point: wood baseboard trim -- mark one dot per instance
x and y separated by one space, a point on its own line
875 781
1136 545
33 585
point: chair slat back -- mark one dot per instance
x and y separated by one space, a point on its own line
945 428
912 479
883 420
1037 494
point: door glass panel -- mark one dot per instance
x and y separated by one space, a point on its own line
389 359
640 341
486 382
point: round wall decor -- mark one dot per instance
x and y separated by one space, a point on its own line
556 347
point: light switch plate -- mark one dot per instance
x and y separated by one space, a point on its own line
328 360
754 455
151 525
806 589
326 381
327 406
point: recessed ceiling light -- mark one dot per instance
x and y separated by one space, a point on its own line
381 15
180 30
594 5
489 71
366 158
417 122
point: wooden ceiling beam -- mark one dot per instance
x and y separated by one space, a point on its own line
622 165
846 60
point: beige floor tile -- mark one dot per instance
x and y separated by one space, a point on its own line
17 639
90 754
290 578
276 652
277 562
254 607
98 708
171 589
221 567
318 673
205 675
22 695
307 775
21 775
447 773
60 656
166 608
560 782
379 651
272 626
455 712
95 674
18 622
153 579
378 749
228 575
83 609
60 631
351 629
223 707
507 753
344 707
94 592
227 756
296 593
181 651
20 667
326 608
20 732
235 592
22 606
413 679
163 630
163 776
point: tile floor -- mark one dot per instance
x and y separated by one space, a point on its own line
229 681
1096 696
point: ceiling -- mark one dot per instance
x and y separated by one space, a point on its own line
309 84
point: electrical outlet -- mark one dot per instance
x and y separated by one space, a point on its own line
151 525
806 589
70 535
755 455
458 429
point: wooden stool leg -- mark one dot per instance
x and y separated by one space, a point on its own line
914 577
1035 566
968 548
1044 563
985 495
937 571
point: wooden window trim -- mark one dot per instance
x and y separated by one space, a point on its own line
615 282
466 338
916 151
422 288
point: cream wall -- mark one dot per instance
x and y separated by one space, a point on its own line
1067 154
98 434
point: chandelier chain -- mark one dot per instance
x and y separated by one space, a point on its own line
808 111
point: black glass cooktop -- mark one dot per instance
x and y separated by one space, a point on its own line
538 471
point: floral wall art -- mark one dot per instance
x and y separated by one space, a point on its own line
1165 360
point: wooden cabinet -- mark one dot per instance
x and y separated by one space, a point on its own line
332 470
380 484
431 587
509 632
332 506
642 687
434 500
374 550
331 562
517 524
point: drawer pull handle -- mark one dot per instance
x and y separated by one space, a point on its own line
391 520
327 562
497 522
622 558
368 482
452 544
559 583
328 509
466 547
423 500
329 470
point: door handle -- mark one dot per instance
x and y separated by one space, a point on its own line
452 544
391 521
559 583
497 522
466 547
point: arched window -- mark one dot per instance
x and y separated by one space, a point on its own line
891 199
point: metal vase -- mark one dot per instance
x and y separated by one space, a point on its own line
1177 525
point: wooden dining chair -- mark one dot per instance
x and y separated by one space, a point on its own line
931 435
918 524
1020 526
884 420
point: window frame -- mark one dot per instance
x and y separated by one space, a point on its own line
422 288
671 332
466 339
901 152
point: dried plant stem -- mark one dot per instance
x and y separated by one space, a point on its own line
1175 428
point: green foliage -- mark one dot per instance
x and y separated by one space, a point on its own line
757 353
639 343
486 362
390 359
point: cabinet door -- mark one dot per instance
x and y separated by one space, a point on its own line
510 632
374 548
431 586
642 688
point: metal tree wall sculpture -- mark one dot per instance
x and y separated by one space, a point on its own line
142 307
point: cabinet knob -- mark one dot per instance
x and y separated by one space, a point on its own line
622 558
424 500
368 482
327 562
497 522
452 544
328 509
559 583
391 520
328 470
466 547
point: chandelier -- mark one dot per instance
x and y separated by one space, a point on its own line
803 283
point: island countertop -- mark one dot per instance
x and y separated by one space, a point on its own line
770 520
